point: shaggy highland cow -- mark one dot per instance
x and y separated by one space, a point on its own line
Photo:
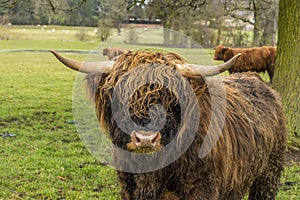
258 59
248 156
113 52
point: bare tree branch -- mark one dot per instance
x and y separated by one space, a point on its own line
131 4
9 4
4 2
191 4
237 7
78 6
52 6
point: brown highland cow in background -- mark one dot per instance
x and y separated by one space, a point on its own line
113 52
258 59
248 156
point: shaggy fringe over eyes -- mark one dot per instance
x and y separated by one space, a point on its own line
142 79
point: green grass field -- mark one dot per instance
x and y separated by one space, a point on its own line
45 158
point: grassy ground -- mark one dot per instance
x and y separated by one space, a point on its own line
45 158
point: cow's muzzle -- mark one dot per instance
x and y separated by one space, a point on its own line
144 141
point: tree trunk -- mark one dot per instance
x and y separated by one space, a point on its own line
206 34
287 72
167 26
274 30
166 36
188 42
219 36
119 27
176 37
267 33
255 41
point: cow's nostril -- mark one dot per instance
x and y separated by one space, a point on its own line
156 138
136 139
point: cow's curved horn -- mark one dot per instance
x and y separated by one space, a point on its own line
200 70
85 67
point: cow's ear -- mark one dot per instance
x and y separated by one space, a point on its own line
225 49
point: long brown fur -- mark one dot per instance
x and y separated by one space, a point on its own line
248 156
258 59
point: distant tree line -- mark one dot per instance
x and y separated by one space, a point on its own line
210 22
33 12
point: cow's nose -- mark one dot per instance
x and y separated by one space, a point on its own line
144 139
